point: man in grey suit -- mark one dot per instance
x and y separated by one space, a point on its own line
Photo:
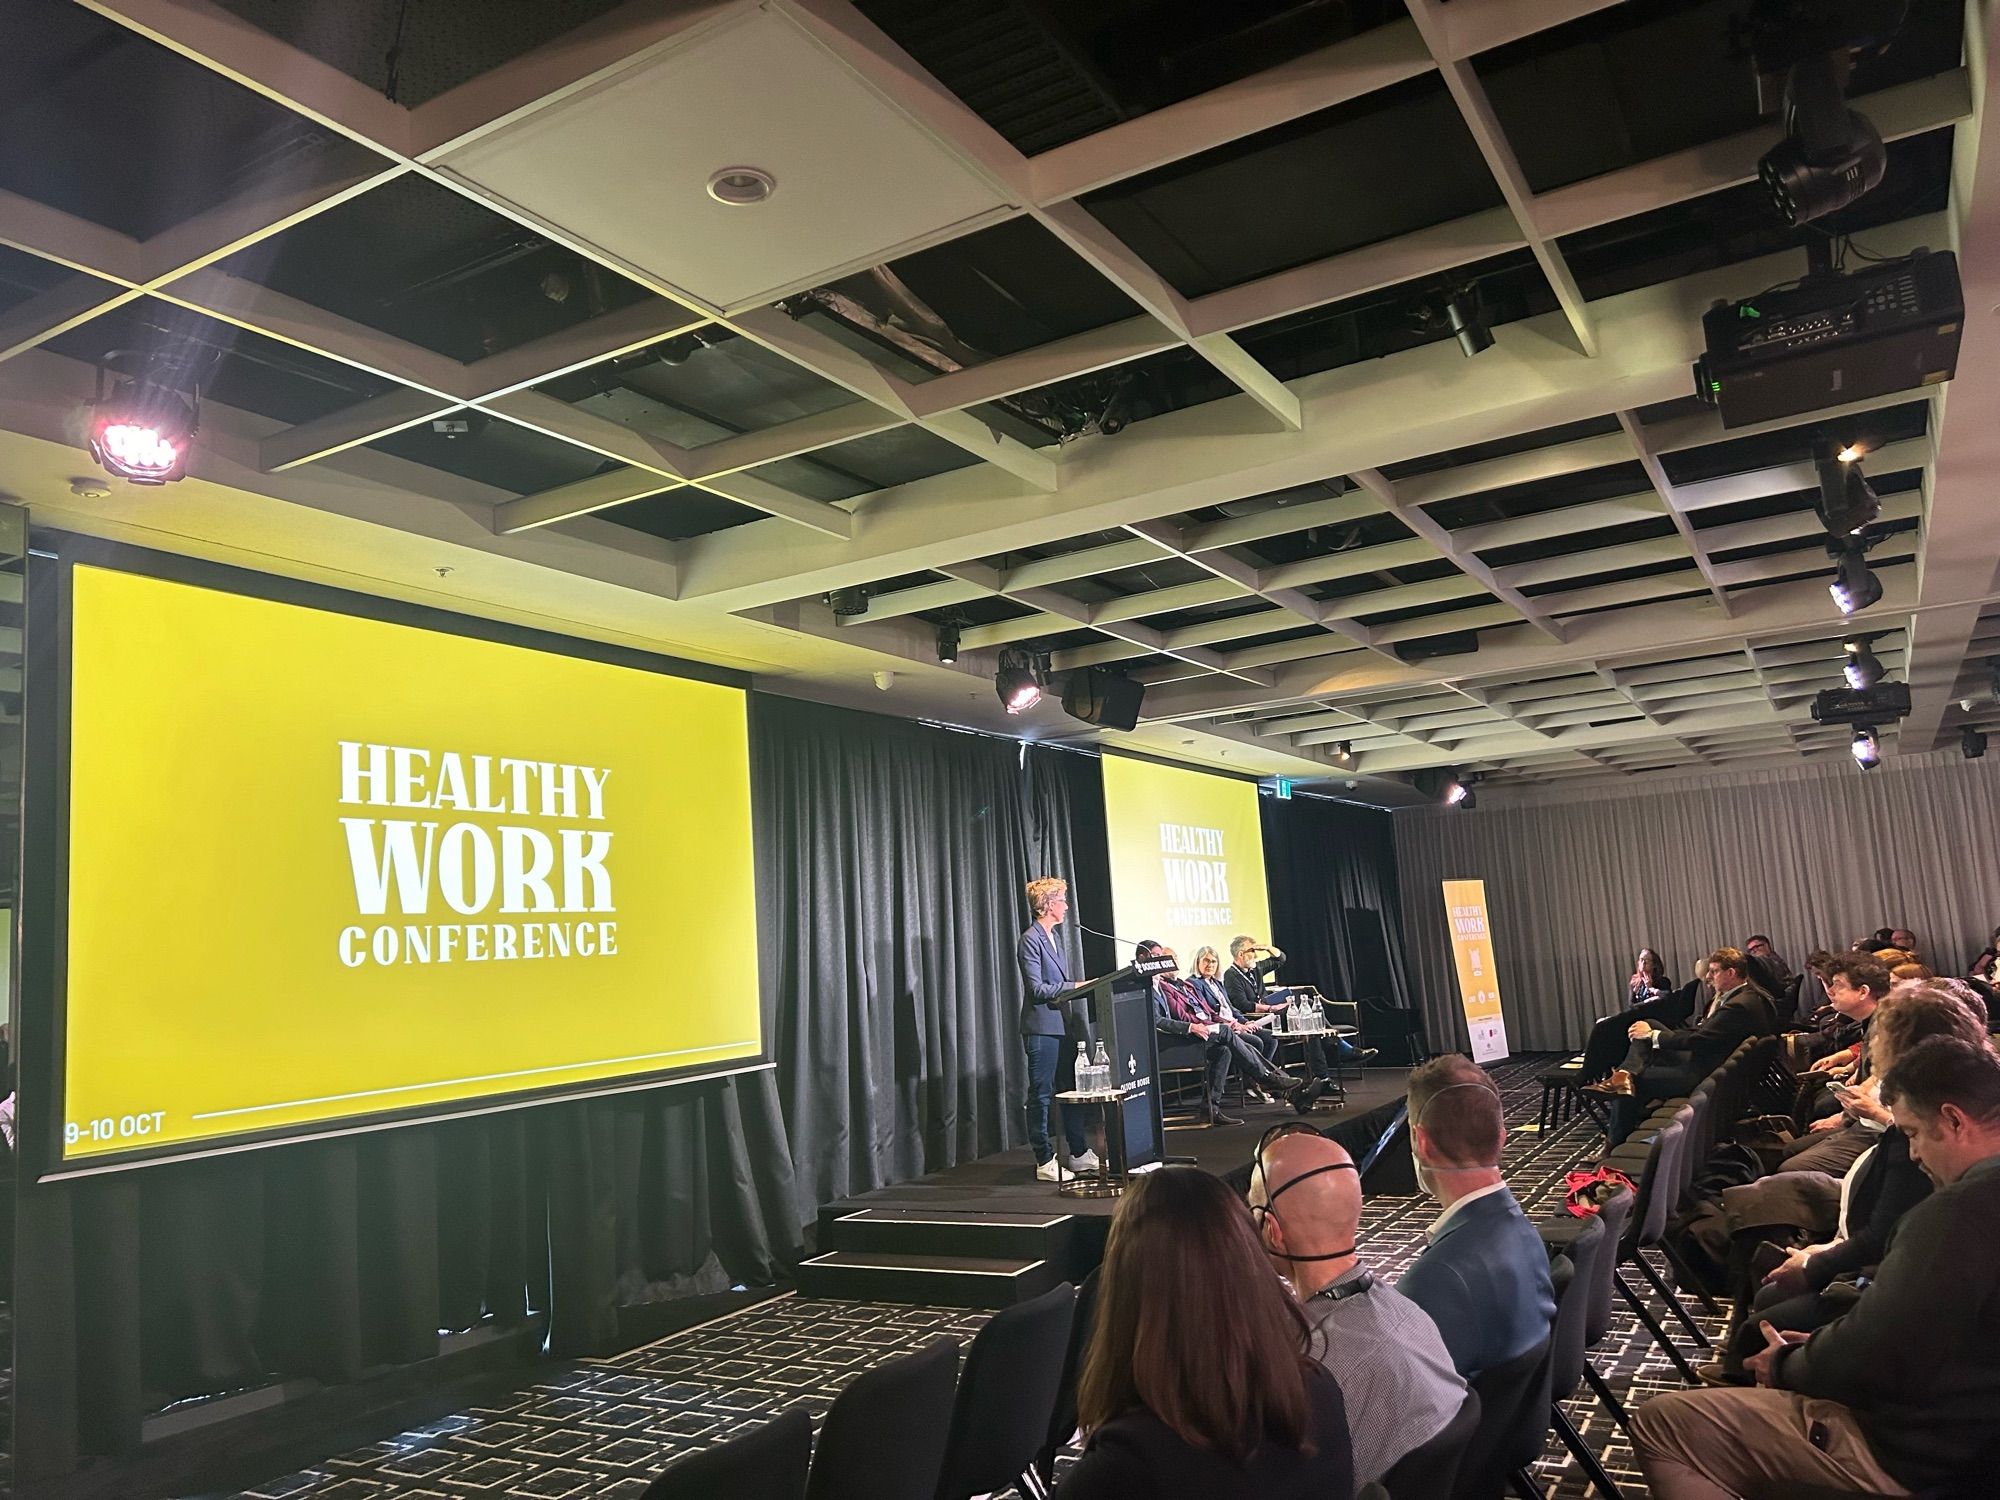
1045 1031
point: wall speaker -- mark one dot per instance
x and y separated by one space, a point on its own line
1103 698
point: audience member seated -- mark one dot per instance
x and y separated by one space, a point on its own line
1757 948
1818 1282
1179 1011
1244 980
1196 1382
1902 937
1649 980
1666 1064
1855 986
1982 966
1391 1362
1899 1394
1484 1276
1650 999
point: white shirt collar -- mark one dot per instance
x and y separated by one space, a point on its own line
1437 1224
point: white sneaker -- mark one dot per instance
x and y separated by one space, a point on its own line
1084 1163
1049 1171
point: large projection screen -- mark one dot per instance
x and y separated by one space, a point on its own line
326 871
1187 856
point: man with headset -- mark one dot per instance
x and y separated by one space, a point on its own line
1484 1276
1393 1368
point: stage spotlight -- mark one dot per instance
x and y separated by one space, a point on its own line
947 642
1854 585
141 430
1019 681
1971 742
1866 749
1458 790
848 602
1343 751
1468 324
1847 502
1864 667
1831 155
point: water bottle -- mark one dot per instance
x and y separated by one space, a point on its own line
1082 1068
1100 1068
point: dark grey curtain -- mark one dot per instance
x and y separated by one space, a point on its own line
891 859
891 863
1321 859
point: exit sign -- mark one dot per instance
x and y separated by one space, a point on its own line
1283 790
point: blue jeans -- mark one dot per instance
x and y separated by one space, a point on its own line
1051 1060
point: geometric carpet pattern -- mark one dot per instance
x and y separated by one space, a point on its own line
601 1429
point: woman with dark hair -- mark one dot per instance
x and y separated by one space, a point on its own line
1651 997
1649 979
1196 1382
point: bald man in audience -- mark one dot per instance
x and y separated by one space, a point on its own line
1384 1350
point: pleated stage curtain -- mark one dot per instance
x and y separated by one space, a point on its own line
891 859
1323 859
1814 856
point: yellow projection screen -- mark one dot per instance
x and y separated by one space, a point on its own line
1187 856
328 871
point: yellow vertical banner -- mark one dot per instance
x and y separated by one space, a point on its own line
1478 976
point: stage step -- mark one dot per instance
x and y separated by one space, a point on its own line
952 1232
934 1280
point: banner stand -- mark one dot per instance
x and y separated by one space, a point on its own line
1478 975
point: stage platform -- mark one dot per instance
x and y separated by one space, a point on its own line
989 1233
1007 1182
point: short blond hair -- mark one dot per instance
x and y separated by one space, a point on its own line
1042 891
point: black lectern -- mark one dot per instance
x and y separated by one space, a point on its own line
1120 1011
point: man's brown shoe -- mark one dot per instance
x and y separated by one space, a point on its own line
1619 1083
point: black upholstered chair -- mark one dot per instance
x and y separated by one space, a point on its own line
1062 1419
1583 1242
766 1463
1513 1419
1431 1470
1000 1417
857 1458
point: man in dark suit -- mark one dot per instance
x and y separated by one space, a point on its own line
1244 982
1898 1395
1666 1064
1484 1277
1045 1031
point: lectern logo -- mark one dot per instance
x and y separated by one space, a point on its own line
536 885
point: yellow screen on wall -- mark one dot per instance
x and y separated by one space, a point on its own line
324 868
1187 857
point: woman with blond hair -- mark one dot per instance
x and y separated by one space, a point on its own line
1046 1027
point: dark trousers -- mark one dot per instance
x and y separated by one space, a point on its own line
1608 1041
1051 1065
1651 1082
1789 1314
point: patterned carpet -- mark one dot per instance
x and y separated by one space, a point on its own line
603 1428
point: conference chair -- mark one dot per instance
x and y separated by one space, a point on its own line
884 1435
1062 1420
1583 1242
1652 1166
767 1462
1612 1214
1000 1415
1513 1417
1429 1471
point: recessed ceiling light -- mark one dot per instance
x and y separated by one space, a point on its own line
739 186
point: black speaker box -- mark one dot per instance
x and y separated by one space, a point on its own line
1103 698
